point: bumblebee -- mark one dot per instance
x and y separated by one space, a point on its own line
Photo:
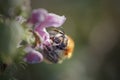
61 47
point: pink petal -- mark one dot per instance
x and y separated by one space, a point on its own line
38 16
33 56
54 20
44 35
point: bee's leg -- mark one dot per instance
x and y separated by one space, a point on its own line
37 39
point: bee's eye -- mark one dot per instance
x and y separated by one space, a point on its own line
57 40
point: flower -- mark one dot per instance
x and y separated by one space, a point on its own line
42 20
32 56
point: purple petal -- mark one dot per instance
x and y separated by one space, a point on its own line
44 35
33 56
38 16
45 19
54 20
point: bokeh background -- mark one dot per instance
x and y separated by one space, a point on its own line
94 25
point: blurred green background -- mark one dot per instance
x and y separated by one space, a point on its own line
94 25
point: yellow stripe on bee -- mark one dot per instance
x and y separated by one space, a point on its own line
70 47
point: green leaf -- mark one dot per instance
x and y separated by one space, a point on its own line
11 33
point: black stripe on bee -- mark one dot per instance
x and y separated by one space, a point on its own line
50 54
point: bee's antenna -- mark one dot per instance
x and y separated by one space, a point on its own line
62 29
